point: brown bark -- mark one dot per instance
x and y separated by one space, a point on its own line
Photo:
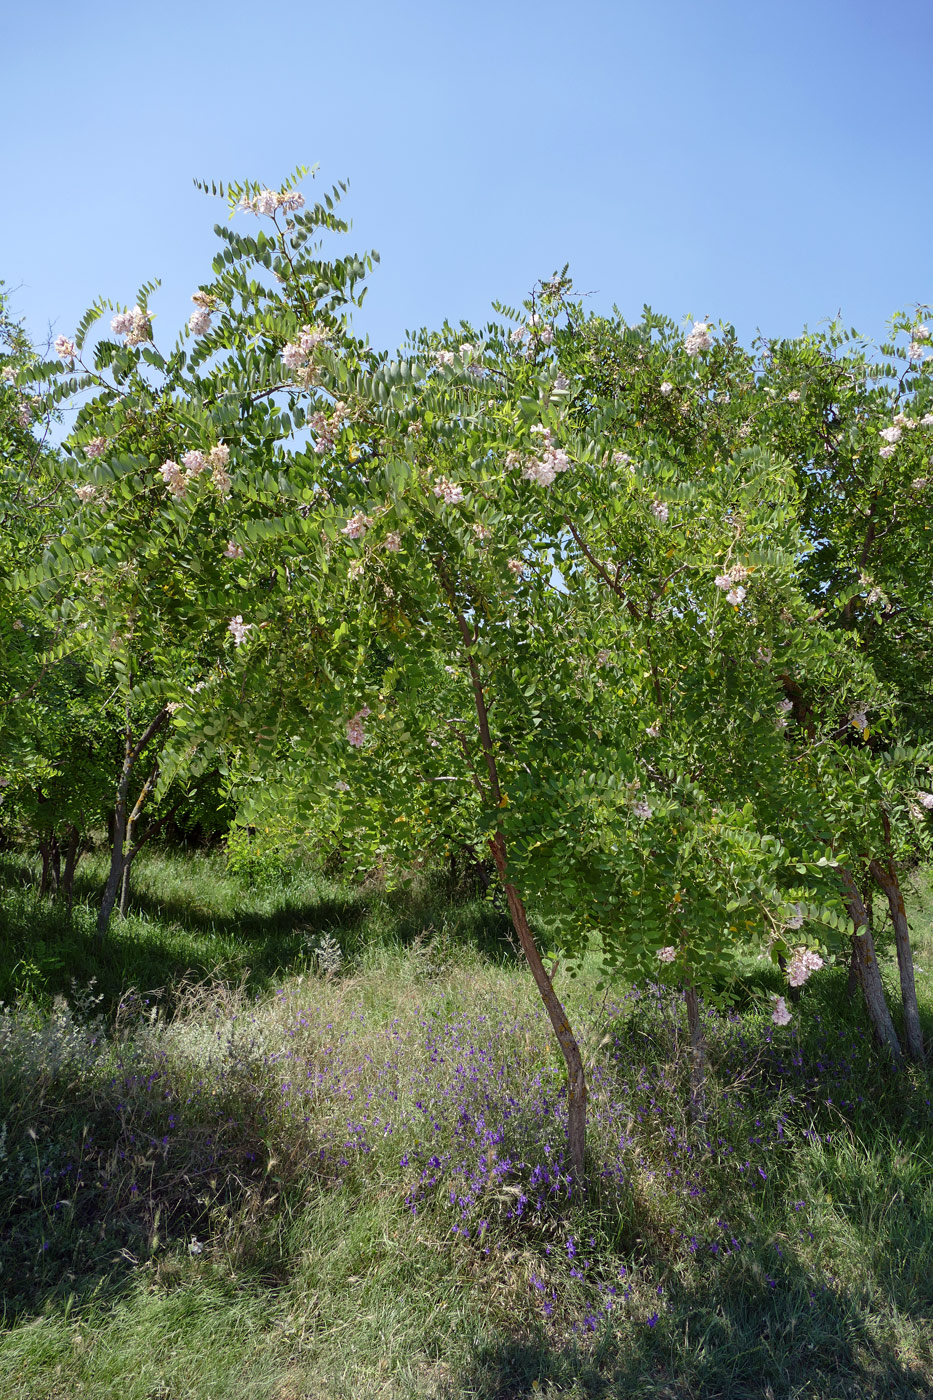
697 1101
131 753
885 873
72 853
863 952
576 1080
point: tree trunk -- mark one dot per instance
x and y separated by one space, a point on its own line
863 952
854 980
72 852
45 851
697 1101
576 1080
131 753
886 875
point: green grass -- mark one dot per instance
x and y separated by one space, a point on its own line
208 1249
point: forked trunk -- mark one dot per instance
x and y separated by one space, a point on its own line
576 1080
697 1102
885 872
863 953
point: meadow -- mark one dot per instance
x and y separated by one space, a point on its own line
292 1136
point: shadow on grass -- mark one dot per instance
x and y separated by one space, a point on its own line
738 1339
178 930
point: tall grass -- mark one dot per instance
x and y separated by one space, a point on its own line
326 1159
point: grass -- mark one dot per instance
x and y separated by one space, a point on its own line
227 1173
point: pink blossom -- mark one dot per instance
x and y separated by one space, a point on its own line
653 730
667 388
233 550
239 629
667 955
355 733
780 1015
122 323
357 525
219 455
481 531
915 350
449 491
392 542
801 964
660 511
892 434
96 447
517 567
642 809
926 800
174 479
85 493
735 596
195 463
927 420
64 348
133 324
921 332
24 413
887 451
199 322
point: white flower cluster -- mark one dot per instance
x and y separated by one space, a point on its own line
660 511
65 349
642 809
730 583
239 629
622 459
178 478
448 491
96 447
796 919
698 339
234 550
801 964
915 350
780 1015
537 332
296 354
667 955
517 567
355 734
199 322
269 202
481 531
85 493
392 542
926 800
543 470
793 396
357 525
667 388
134 325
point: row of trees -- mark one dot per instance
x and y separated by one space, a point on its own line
641 616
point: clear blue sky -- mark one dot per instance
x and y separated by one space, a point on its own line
764 163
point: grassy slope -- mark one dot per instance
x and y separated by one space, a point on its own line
173 1229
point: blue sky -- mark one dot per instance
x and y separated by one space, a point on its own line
767 164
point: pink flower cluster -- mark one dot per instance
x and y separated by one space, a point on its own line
85 493
537 332
801 964
666 955
355 733
297 353
234 550
325 429
698 339
448 491
660 511
239 629
552 462
729 582
134 325
269 202
65 349
96 447
780 1015
194 463
357 525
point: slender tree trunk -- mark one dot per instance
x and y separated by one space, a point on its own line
697 1101
131 753
886 875
72 853
854 980
863 952
45 851
577 1093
